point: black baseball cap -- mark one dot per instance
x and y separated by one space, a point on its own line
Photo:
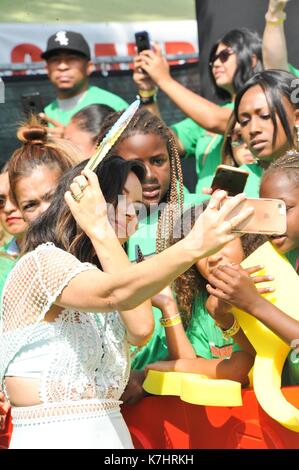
66 41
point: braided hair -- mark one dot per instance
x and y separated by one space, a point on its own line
288 164
190 284
144 122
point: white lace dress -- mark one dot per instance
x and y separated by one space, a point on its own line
85 364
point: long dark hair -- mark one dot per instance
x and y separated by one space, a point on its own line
227 156
245 44
276 84
57 225
90 119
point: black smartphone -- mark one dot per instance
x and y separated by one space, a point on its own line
32 103
142 41
229 178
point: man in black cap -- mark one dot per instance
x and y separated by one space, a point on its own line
69 66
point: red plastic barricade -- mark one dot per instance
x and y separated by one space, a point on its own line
169 423
6 433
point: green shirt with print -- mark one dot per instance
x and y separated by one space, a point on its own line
204 145
205 336
145 237
93 95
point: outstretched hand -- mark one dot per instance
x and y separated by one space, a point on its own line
154 64
211 231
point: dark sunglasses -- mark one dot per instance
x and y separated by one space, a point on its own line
222 56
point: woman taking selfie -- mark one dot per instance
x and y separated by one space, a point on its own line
67 315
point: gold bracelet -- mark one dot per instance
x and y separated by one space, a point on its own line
172 321
232 331
148 93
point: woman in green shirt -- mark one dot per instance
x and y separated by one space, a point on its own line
233 60
267 111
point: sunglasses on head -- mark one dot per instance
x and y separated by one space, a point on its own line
223 56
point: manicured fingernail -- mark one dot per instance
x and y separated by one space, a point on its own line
270 278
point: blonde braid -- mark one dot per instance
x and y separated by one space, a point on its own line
175 197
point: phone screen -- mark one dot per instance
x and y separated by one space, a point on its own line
229 180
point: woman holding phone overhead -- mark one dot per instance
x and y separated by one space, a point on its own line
72 293
234 58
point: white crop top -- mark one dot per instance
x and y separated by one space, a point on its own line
80 355
31 360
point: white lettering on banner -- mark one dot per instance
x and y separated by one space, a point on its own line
21 41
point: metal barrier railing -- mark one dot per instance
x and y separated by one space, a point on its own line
103 61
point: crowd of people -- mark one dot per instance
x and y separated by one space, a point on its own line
106 275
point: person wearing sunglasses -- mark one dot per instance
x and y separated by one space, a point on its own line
233 60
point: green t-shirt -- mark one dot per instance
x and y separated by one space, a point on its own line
145 237
205 336
204 145
93 95
253 181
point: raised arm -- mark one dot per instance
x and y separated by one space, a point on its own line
148 90
132 285
212 117
275 54
139 321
